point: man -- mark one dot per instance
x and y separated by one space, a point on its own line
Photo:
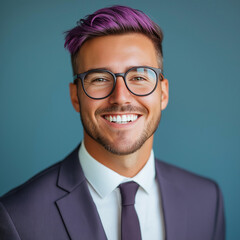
119 90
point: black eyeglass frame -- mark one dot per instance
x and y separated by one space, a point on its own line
82 76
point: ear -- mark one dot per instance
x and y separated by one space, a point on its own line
164 93
74 96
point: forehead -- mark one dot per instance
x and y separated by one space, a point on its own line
117 52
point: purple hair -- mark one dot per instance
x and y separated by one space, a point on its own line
109 21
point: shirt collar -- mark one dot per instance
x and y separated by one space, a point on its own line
105 180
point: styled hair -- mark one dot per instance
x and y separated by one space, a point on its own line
111 21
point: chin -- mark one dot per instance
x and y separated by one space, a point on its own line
121 149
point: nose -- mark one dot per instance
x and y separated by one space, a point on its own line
120 94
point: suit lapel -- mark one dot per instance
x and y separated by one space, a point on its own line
77 208
174 209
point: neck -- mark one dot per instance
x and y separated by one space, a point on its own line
126 165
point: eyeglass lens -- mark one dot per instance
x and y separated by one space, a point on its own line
140 81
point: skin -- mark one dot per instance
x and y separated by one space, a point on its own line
124 148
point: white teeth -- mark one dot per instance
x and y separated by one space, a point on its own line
119 118
122 119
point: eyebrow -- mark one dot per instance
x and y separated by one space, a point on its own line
104 68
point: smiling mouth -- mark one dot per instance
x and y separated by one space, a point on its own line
122 119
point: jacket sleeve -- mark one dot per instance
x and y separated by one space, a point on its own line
7 228
219 232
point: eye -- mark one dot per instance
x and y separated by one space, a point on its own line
138 78
99 80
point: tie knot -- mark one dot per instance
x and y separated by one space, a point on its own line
128 191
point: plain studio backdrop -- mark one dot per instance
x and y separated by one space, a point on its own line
199 130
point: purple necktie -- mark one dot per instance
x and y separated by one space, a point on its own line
130 228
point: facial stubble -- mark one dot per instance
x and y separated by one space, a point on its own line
98 136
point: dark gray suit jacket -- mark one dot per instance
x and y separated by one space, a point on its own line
56 204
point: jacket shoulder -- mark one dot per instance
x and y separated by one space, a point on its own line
46 178
30 210
182 177
200 196
40 178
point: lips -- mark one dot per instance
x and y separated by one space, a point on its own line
121 119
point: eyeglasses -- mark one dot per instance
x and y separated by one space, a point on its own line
100 83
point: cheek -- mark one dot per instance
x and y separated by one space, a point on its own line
85 104
153 101
88 107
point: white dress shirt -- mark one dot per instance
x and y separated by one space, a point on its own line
103 185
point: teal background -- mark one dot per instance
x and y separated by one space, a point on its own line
200 129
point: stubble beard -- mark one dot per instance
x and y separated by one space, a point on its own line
91 131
